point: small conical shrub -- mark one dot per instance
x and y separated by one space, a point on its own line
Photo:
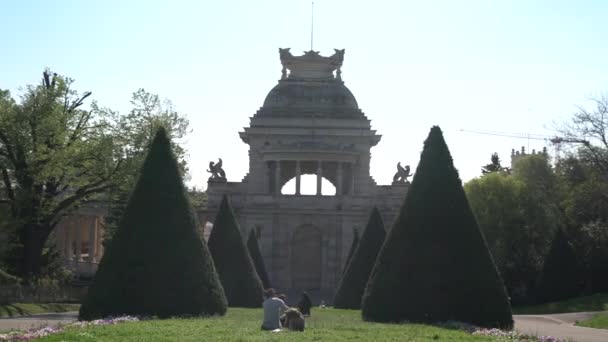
435 265
351 251
156 264
561 274
236 270
258 261
351 287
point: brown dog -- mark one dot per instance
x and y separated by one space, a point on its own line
294 320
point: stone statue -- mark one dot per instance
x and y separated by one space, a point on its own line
217 173
402 174
286 58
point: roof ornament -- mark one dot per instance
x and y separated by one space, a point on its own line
402 174
311 65
216 171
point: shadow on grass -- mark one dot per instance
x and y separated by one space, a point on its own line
27 309
596 302
11 310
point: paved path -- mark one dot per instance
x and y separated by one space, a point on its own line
36 321
560 325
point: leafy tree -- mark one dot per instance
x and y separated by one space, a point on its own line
351 251
138 127
585 208
434 265
352 285
588 131
56 156
515 226
560 277
198 198
494 166
256 257
232 261
156 264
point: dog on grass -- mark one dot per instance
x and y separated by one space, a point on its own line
294 320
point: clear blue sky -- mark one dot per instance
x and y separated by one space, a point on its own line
510 66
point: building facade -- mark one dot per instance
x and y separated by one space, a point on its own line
309 124
79 240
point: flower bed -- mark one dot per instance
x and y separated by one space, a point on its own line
38 333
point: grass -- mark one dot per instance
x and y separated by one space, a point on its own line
244 325
599 321
596 302
26 309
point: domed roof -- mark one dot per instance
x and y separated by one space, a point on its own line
313 84
326 95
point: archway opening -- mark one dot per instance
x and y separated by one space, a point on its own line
306 258
308 186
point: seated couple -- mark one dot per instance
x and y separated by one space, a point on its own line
277 314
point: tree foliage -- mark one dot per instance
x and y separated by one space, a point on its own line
434 265
352 285
156 264
55 156
494 166
256 257
516 215
560 278
588 132
585 209
138 128
234 265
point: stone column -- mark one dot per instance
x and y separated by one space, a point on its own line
351 188
339 180
67 239
77 226
298 174
277 177
99 249
92 239
319 177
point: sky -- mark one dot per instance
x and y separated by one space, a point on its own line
497 66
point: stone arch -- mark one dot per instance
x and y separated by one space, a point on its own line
306 258
309 186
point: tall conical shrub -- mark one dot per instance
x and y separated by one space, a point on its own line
351 251
351 287
256 257
561 273
236 270
156 264
435 265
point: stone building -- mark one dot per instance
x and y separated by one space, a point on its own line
309 124
79 239
516 156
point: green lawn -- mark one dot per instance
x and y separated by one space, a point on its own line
21 309
596 302
244 325
599 321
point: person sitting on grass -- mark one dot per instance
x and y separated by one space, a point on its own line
273 307
305 304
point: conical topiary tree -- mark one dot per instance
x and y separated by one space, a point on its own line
351 251
435 265
256 257
156 264
351 287
561 274
236 270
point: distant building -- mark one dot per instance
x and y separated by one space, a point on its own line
79 238
516 156
309 124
